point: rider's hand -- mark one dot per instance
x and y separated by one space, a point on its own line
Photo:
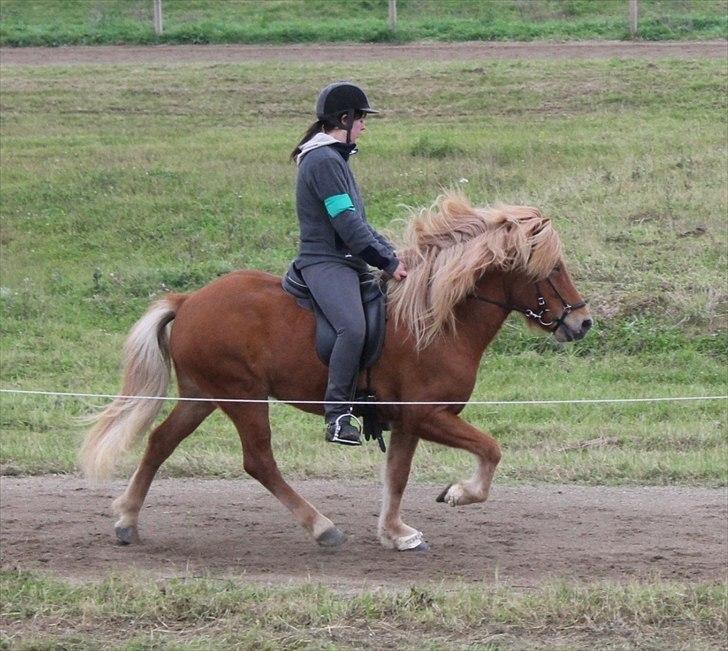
400 273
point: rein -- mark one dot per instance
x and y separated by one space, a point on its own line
539 316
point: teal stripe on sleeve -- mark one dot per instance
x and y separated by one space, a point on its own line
337 204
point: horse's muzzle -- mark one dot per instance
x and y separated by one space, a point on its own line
573 328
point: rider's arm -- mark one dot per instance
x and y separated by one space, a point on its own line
328 181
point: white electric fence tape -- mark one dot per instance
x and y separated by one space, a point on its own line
581 401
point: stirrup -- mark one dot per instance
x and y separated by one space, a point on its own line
345 433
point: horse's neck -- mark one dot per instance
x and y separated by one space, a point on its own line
479 321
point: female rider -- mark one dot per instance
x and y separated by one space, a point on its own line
337 243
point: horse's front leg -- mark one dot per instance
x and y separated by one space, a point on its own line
447 428
393 533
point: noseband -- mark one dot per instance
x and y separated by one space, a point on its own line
539 316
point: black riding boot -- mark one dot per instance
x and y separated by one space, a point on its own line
345 429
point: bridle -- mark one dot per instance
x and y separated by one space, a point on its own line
539 316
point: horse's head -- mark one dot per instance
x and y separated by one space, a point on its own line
509 256
551 303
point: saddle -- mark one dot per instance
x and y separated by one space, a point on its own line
375 312
374 300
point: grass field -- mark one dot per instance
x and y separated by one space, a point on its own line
122 182
49 22
202 613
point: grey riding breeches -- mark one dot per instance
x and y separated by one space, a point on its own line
335 287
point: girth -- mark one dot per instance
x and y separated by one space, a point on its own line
375 311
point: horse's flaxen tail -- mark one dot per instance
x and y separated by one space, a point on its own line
146 373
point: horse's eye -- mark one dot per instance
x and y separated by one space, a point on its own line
557 269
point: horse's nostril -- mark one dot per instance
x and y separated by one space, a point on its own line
586 324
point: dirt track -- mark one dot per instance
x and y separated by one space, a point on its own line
522 536
359 52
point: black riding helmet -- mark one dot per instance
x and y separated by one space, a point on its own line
339 98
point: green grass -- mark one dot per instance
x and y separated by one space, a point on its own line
132 612
51 22
122 182
657 444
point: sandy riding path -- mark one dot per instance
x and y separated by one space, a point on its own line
175 54
523 535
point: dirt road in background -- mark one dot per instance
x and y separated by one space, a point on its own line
358 52
522 536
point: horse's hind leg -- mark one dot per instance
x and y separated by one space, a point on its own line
253 425
393 533
181 422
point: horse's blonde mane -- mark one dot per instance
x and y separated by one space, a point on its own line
447 248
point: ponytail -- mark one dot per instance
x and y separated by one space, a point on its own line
315 128
326 124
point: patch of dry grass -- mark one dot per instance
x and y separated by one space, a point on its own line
131 612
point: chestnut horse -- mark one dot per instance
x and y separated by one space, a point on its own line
242 337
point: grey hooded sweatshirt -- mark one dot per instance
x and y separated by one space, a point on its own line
331 211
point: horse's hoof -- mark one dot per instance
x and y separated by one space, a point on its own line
441 496
422 547
126 535
415 542
331 538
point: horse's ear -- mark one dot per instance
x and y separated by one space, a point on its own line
539 226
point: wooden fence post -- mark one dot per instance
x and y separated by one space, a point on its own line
633 18
393 15
158 27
